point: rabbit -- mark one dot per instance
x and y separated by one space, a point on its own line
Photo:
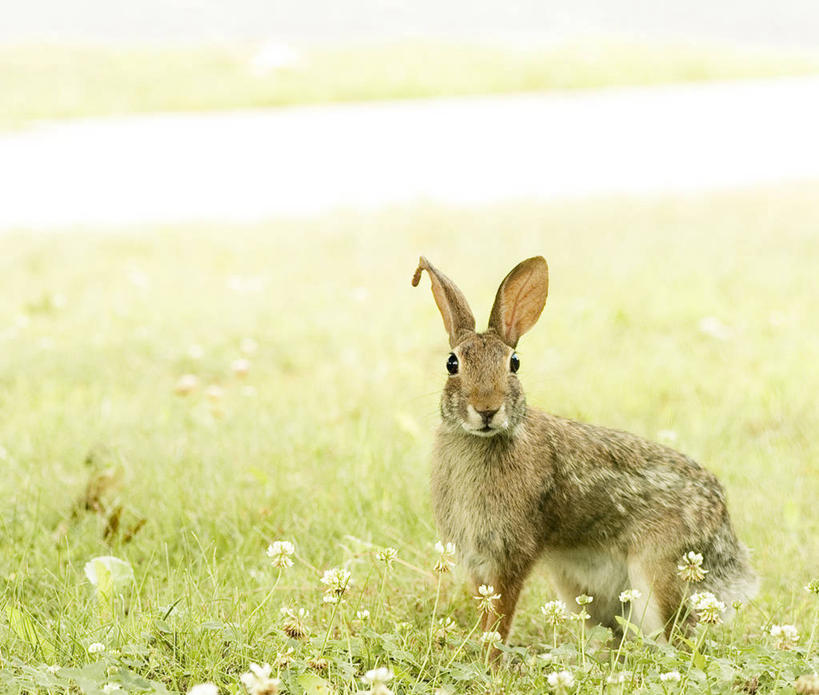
607 510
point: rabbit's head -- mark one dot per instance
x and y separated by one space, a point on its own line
482 395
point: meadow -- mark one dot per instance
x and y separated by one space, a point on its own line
315 370
71 81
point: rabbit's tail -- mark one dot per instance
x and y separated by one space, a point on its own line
666 593
730 577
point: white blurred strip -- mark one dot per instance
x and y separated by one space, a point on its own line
249 165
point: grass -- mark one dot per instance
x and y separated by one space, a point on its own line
325 441
44 82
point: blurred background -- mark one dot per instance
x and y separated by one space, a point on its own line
793 22
509 100
210 214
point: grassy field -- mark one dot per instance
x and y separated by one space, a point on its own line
66 82
694 320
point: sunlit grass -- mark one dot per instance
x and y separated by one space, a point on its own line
324 441
39 82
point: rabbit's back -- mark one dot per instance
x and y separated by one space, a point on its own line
611 487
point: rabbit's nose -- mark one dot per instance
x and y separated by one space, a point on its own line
487 415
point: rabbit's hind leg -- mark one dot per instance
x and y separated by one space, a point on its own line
655 580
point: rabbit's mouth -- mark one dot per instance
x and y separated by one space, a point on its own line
485 431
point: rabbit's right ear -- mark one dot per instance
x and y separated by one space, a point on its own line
458 318
520 299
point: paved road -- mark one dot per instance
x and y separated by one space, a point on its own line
250 165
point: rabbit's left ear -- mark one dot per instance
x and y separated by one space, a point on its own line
458 319
520 300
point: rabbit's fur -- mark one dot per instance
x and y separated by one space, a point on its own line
608 510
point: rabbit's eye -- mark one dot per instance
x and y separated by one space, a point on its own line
514 362
452 363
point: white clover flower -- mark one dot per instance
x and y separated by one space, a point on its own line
196 352
293 625
240 367
96 648
674 676
248 346
257 680
491 637
185 384
447 623
111 687
712 613
448 549
446 559
699 597
318 663
690 567
667 436
337 580
554 612
139 278
279 553
629 595
108 575
445 626
488 591
790 632
713 327
787 635
362 615
813 587
708 607
387 556
561 680
214 392
284 658
486 598
584 599
377 679
204 689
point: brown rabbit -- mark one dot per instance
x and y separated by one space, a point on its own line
608 510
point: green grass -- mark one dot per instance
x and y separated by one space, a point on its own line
330 447
40 82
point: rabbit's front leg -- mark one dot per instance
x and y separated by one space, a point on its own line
504 610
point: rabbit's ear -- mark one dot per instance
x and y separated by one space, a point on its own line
520 299
458 318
